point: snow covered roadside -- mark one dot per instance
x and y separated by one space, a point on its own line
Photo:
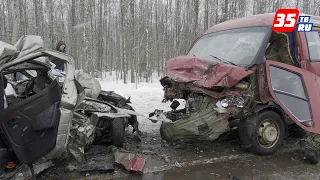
145 99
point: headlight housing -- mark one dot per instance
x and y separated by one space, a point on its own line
235 100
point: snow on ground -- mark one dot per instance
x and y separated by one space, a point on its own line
145 99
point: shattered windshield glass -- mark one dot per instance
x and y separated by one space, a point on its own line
236 46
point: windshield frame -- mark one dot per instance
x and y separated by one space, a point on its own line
260 55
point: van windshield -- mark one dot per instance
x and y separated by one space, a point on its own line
237 46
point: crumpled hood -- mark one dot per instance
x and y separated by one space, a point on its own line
24 46
204 73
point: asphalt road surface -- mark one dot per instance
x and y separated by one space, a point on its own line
197 160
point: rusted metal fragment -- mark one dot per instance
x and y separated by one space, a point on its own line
204 73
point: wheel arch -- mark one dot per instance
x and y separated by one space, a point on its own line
271 106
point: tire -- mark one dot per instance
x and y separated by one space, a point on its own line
118 132
266 133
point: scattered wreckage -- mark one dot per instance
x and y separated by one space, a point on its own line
241 74
238 74
52 115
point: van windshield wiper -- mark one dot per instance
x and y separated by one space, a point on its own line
223 60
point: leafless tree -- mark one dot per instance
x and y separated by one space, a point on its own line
129 38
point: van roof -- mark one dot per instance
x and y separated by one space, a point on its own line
256 20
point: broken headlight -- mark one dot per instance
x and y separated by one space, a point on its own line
235 100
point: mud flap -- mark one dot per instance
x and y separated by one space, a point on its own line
246 129
205 125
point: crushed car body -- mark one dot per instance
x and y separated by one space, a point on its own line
205 117
52 115
240 74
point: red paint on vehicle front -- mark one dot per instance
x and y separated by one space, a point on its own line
204 73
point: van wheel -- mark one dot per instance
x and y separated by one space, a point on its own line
267 134
118 131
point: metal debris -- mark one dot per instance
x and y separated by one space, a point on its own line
129 161
96 166
148 152
177 164
308 154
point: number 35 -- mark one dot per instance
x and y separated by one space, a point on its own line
283 18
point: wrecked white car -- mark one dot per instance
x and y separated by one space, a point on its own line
51 115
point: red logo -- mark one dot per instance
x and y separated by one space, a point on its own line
285 20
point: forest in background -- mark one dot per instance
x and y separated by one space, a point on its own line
131 38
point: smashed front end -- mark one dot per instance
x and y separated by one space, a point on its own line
217 95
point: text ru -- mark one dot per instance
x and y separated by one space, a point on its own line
305 27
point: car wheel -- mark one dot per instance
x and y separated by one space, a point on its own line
118 132
268 132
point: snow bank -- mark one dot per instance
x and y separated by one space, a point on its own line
115 77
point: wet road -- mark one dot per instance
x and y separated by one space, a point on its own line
281 166
203 160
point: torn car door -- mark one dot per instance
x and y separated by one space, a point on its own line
31 125
297 92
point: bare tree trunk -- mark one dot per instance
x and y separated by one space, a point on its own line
206 14
16 21
36 14
226 4
123 40
195 25
26 30
73 37
100 39
51 24
132 58
306 7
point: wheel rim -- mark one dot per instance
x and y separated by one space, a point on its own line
268 133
